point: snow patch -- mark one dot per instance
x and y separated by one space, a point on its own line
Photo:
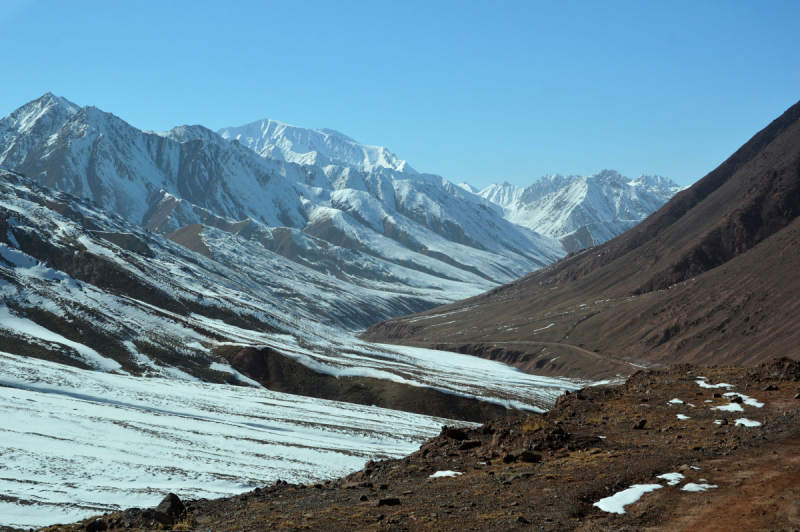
617 502
440 474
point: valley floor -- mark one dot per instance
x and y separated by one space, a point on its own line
718 449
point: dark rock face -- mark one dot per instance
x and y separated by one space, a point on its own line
169 510
640 425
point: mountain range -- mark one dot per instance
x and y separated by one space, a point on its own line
349 211
151 283
710 278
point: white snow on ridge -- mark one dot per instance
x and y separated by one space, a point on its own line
319 147
76 443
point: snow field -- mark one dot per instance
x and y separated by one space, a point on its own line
76 443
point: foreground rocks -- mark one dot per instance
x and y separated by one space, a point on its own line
546 472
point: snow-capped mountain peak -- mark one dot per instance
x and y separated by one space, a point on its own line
35 120
504 194
320 147
657 184
469 188
60 100
582 210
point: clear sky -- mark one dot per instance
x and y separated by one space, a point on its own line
475 91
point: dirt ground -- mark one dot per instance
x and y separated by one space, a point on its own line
547 472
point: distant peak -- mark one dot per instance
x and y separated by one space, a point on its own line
68 105
339 134
610 175
469 188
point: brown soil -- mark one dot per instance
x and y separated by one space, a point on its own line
567 468
711 278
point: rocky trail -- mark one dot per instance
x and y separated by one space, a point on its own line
712 448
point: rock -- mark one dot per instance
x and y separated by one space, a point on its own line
98 525
529 457
363 498
522 520
797 396
169 510
353 484
469 444
640 424
499 437
389 501
723 422
736 399
509 458
770 388
717 395
456 434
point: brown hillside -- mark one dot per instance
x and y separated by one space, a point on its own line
713 278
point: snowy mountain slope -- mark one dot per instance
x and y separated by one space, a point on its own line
194 439
356 222
318 147
88 289
582 211
504 194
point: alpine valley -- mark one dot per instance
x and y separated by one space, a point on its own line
193 289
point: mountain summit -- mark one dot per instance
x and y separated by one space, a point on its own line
320 147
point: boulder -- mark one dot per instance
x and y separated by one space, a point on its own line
529 457
509 458
389 501
456 434
169 510
469 444
98 525
499 437
640 424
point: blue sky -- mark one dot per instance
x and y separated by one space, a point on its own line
475 91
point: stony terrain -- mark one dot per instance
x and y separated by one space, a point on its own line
547 472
